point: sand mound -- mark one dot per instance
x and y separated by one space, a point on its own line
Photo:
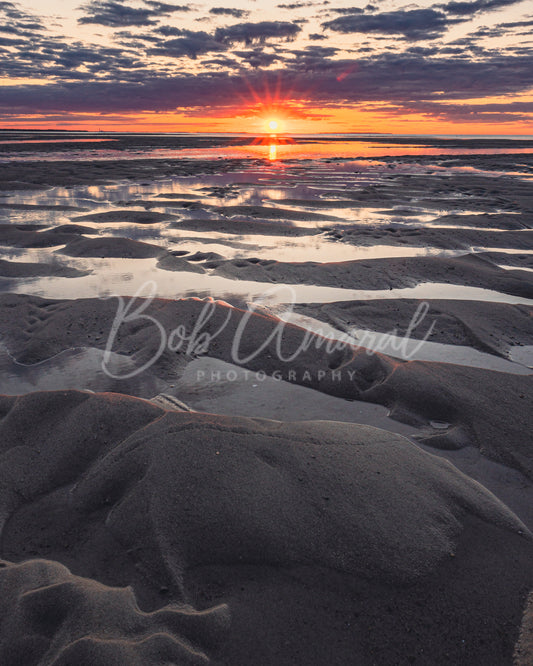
175 262
49 616
489 327
270 213
147 204
110 246
524 648
40 174
131 216
251 520
249 227
418 392
391 273
34 235
34 207
487 220
509 259
19 269
432 237
471 406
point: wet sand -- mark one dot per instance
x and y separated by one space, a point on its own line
203 479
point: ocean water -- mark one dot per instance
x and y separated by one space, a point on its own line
54 145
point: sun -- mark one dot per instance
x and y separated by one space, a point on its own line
273 125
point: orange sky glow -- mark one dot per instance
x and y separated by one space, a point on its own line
320 121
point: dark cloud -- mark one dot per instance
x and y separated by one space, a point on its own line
11 41
475 7
228 11
21 28
256 33
468 113
127 37
190 43
423 50
117 15
298 5
349 10
414 24
258 57
316 53
232 60
392 78
16 21
164 8
169 31
517 24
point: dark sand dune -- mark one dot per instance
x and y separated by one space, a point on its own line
180 195
34 207
19 269
245 541
77 229
390 273
270 213
48 615
524 648
501 185
42 174
147 204
429 237
497 420
490 410
35 235
461 191
509 258
204 256
235 226
314 203
173 262
488 327
508 221
109 246
426 193
130 216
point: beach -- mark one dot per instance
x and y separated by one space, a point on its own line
266 400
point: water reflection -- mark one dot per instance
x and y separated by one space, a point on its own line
285 148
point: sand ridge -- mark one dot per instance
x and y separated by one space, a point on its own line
179 496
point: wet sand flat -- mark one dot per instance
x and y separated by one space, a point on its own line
300 434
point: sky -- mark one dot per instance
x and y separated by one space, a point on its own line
456 67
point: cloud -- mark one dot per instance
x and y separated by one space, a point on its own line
414 24
117 15
14 20
189 43
144 72
164 8
228 11
298 5
351 10
257 33
319 82
517 24
468 113
258 57
478 6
